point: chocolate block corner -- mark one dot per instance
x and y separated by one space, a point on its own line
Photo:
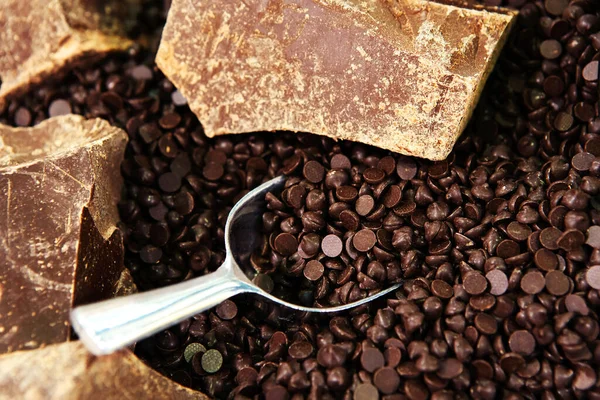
402 75
40 37
59 246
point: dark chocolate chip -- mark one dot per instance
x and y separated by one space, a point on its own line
364 240
332 246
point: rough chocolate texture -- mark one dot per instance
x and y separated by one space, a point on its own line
38 37
59 246
402 75
33 375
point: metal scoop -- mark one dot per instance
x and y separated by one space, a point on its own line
113 324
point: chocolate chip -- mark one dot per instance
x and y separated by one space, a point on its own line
184 203
511 362
563 121
387 380
178 98
553 86
22 117
592 276
392 196
366 391
585 377
276 392
213 171
350 220
482 302
545 260
474 283
340 161
332 246
550 49
215 156
507 249
557 283
590 71
181 165
549 238
593 236
300 350
364 205
331 356
533 282
346 193
314 270
246 375
486 324
406 168
517 231
169 120
227 310
265 282
212 361
555 7
364 240
387 164
59 107
522 342
286 244
450 368
150 254
193 349
498 282
582 161
141 72
373 175
571 240
296 196
290 165
313 171
576 304
441 289
372 359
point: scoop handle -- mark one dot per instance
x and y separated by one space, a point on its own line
110 325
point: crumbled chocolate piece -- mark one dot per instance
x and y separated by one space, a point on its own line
39 37
403 76
59 245
69 371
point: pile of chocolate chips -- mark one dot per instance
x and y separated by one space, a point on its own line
499 245
340 231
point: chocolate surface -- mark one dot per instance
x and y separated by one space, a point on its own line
411 71
512 165
60 245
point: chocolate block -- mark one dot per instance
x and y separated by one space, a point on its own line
60 182
38 37
67 371
402 75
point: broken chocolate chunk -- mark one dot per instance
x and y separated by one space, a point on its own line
39 37
67 371
402 75
59 246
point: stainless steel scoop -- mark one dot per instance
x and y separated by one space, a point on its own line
113 324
